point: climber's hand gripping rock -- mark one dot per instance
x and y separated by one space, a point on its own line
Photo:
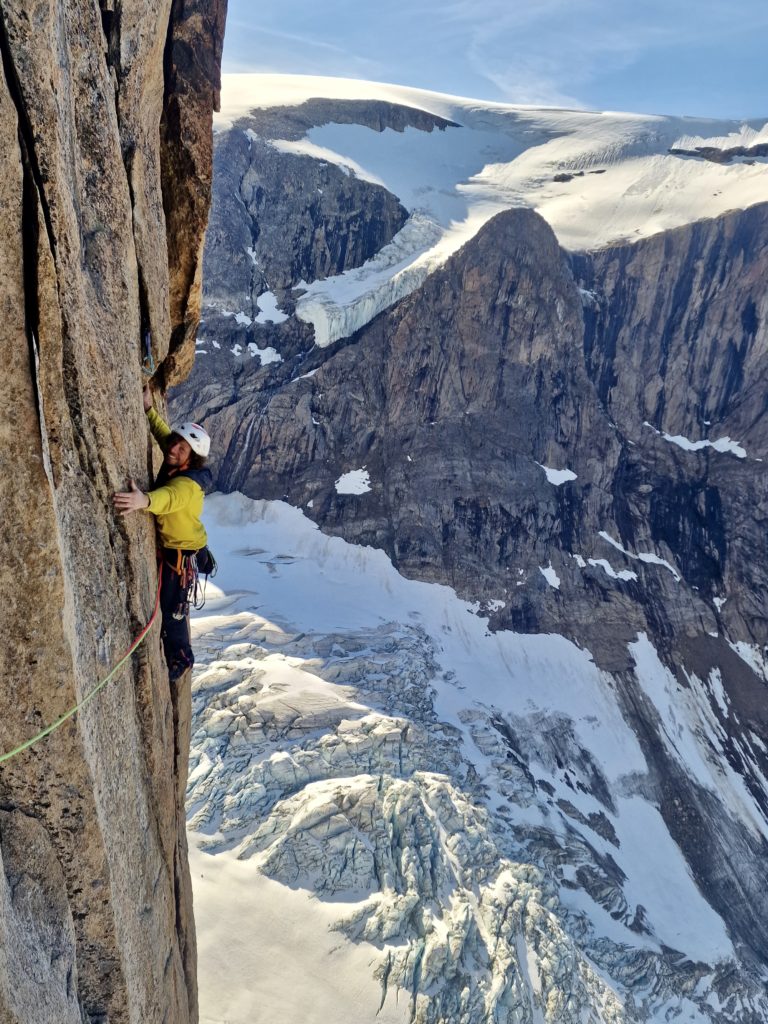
130 501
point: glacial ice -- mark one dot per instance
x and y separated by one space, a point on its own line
440 792
746 136
338 306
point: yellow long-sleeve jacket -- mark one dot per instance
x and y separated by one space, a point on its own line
177 503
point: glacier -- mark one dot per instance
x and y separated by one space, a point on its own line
397 815
598 178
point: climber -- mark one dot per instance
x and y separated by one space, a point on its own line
177 503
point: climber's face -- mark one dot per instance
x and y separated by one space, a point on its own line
178 452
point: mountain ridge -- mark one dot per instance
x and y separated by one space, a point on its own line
570 437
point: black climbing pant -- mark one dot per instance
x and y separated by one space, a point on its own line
174 604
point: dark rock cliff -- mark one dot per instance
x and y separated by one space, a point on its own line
279 219
675 342
589 363
298 219
106 167
295 122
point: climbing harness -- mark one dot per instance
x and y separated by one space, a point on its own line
148 365
68 714
188 567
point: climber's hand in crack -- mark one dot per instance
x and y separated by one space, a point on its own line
130 501
147 397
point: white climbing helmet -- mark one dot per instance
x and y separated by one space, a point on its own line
197 438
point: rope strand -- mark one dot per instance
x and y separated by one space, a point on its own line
68 714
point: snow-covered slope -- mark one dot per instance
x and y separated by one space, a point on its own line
397 815
597 178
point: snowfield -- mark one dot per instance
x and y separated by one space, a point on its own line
376 781
597 178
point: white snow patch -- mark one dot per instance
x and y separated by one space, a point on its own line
752 655
356 481
265 355
722 444
718 691
236 350
269 311
605 565
693 733
243 319
719 602
680 915
303 147
550 576
558 477
641 556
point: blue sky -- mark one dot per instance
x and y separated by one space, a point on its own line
653 56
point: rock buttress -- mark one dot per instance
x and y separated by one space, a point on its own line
96 920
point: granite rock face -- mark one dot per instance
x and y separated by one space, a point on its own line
97 921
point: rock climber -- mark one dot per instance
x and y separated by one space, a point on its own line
176 501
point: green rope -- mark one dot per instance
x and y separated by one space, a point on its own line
68 714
